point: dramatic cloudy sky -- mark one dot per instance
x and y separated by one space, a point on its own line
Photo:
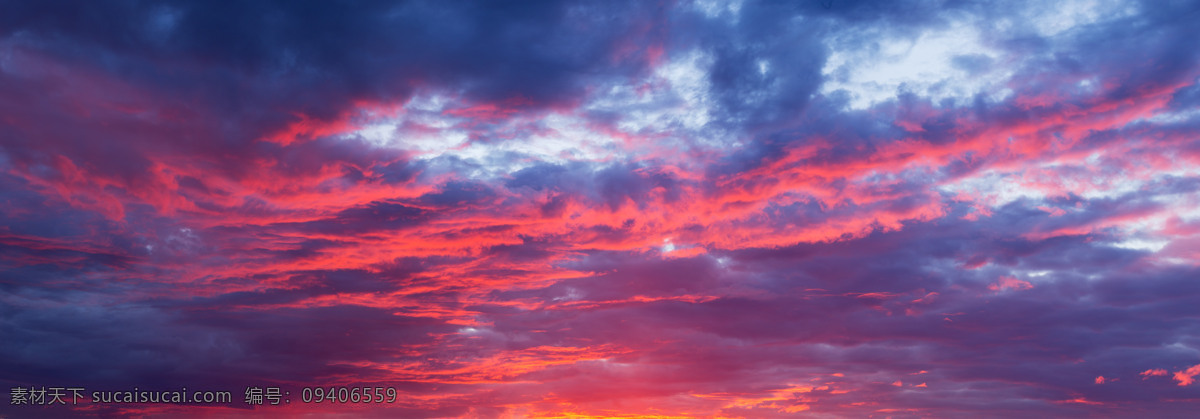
804 208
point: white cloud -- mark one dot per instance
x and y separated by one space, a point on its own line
951 62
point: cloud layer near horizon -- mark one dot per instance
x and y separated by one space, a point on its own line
574 209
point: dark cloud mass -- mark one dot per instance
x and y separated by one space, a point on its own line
751 209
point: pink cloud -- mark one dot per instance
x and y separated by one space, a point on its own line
1010 283
1153 373
1082 400
1188 376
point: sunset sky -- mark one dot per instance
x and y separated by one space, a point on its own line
776 209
